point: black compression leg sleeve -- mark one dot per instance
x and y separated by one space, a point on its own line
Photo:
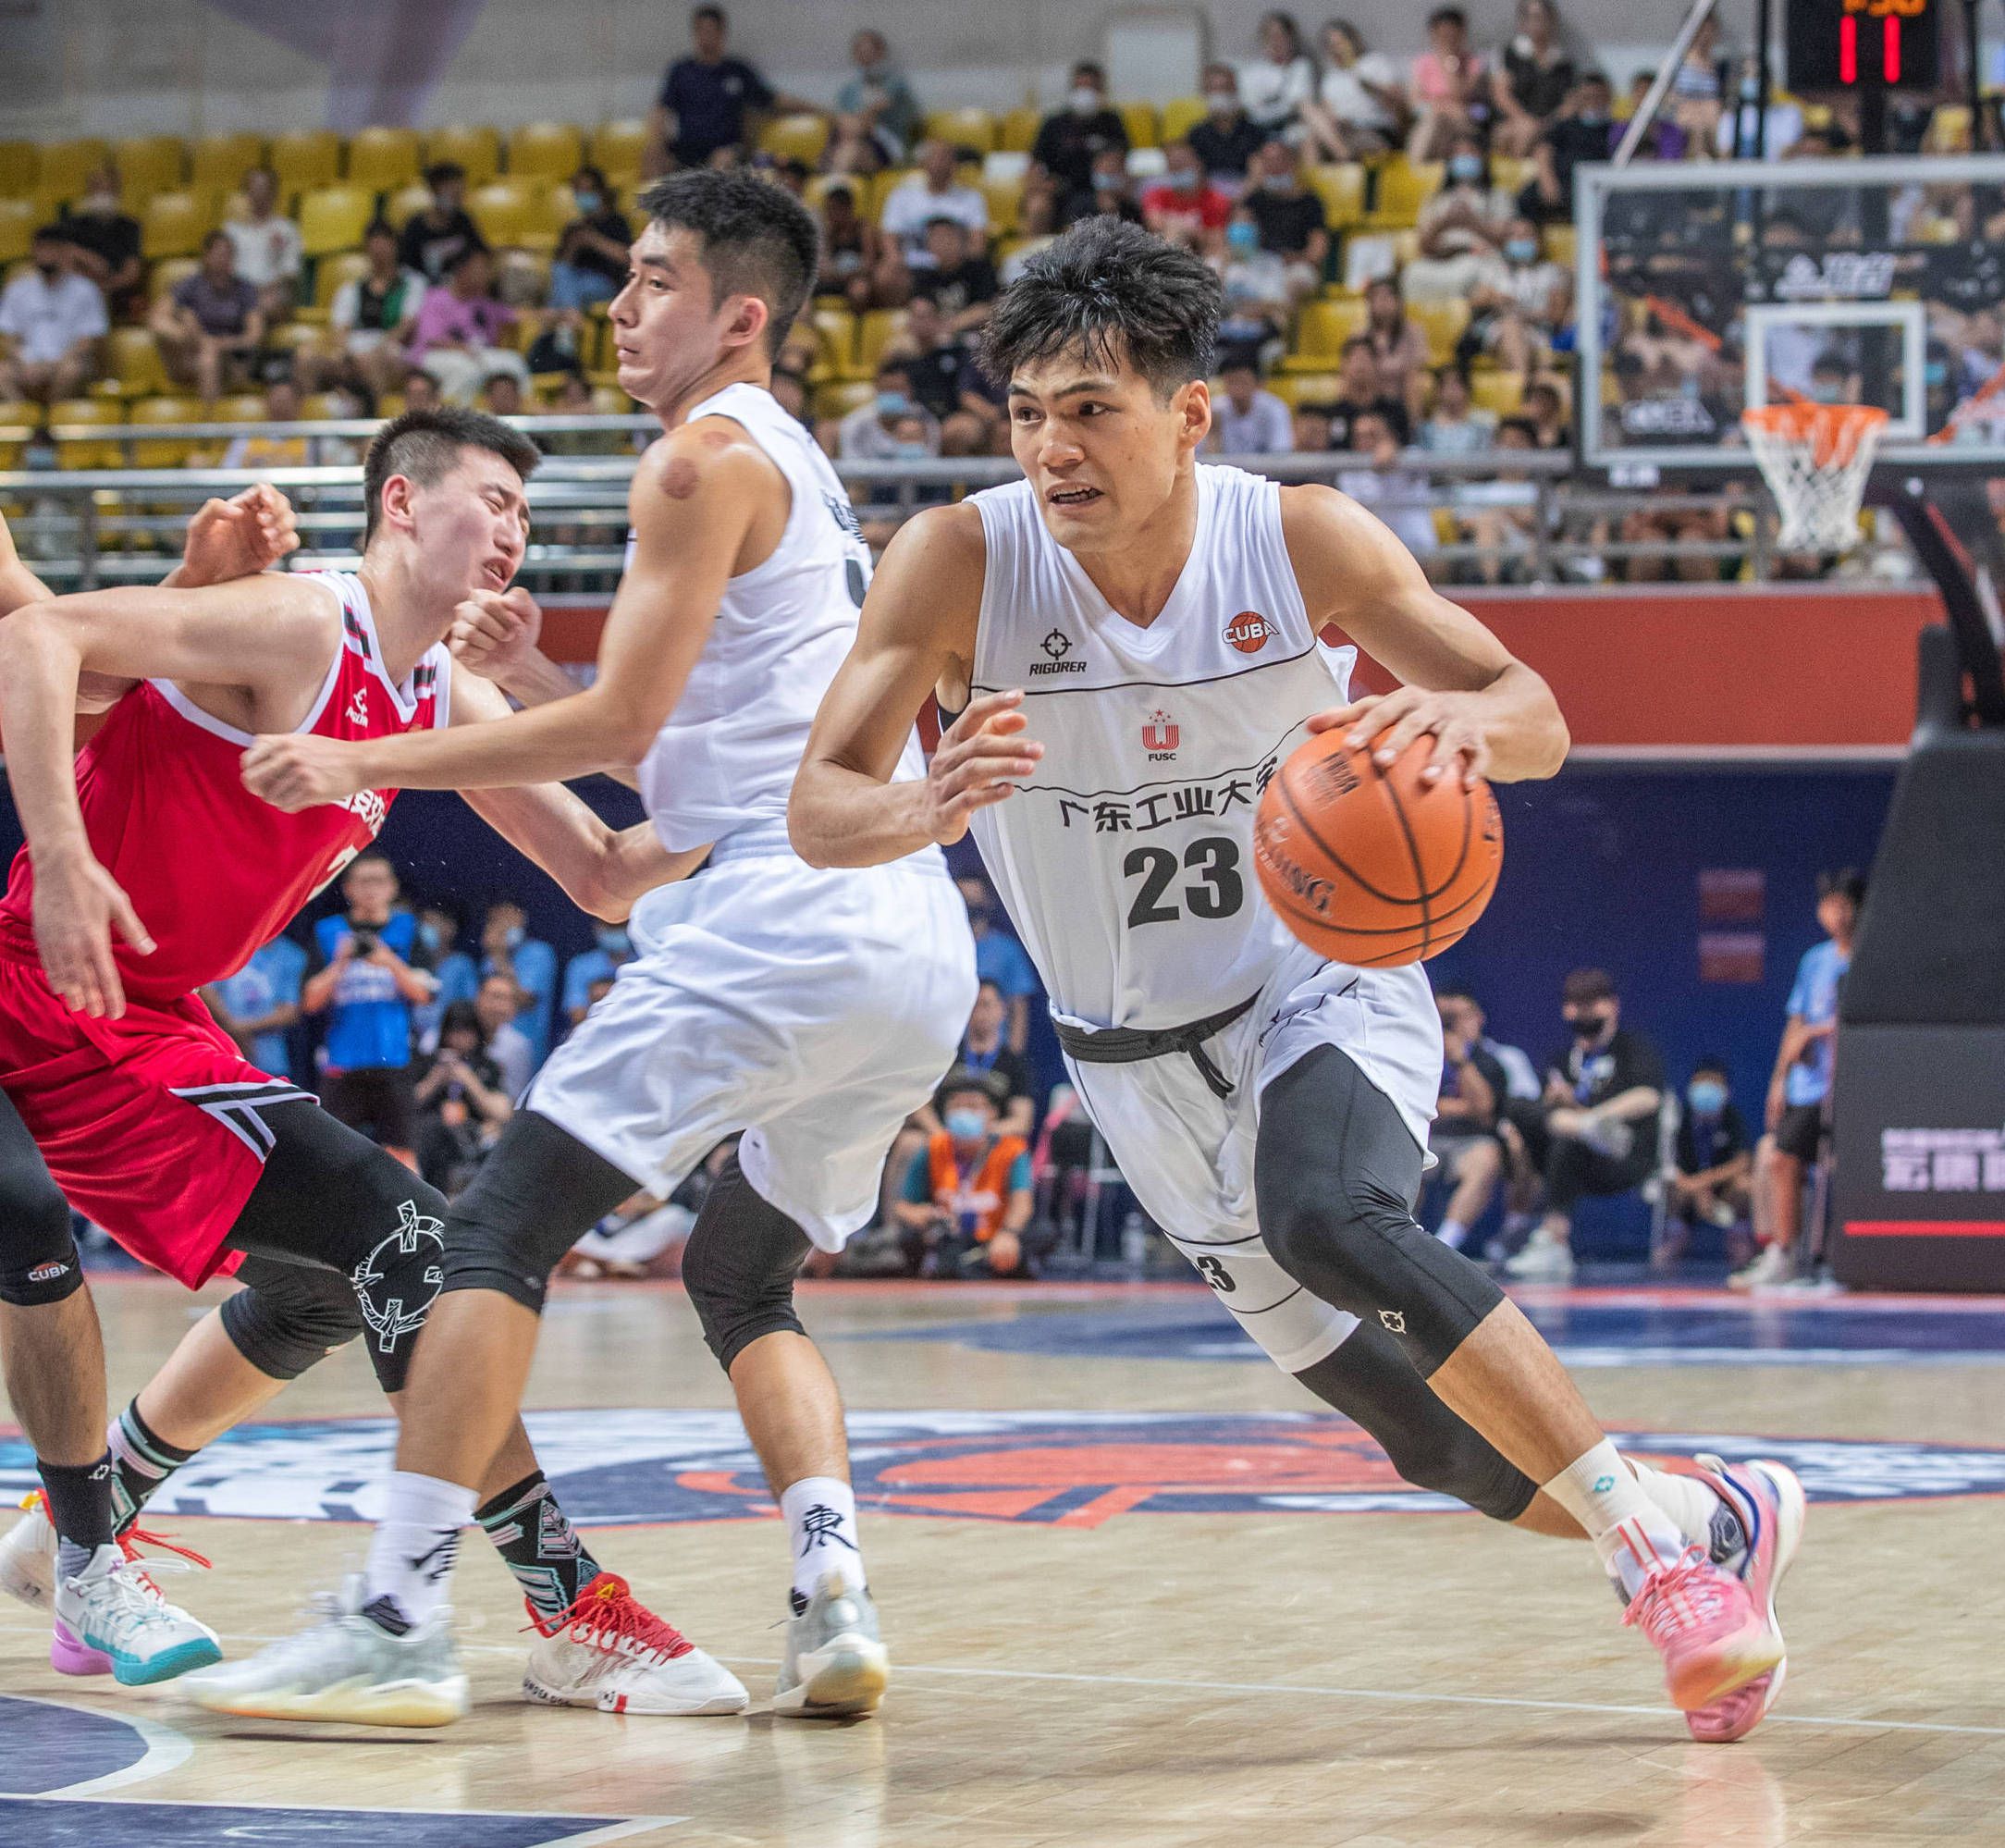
38 1256
1372 1384
739 1266
1336 1172
290 1315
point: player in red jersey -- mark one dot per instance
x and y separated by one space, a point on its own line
144 1111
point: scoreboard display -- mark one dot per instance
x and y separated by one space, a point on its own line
1851 47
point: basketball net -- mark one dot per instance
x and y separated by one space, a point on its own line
1816 459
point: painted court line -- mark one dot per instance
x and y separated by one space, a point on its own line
620 1830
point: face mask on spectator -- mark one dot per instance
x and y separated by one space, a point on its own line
966 1125
1243 237
100 205
1221 101
1467 169
614 940
1708 1097
1521 250
909 452
513 940
1279 182
428 935
893 404
1085 100
1185 181
1588 1025
1594 118
588 202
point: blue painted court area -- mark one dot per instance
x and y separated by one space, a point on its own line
51 1822
45 1745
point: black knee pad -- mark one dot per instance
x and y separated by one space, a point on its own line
38 1253
739 1266
290 1316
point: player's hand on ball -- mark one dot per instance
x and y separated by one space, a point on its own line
77 904
292 772
1388 723
981 756
247 533
492 632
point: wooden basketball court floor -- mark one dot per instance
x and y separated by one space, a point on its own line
1138 1589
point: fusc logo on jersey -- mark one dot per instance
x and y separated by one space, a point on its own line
1248 632
1057 647
1159 737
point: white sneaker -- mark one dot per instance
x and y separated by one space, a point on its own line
609 1651
345 1671
110 1615
1773 1266
836 1666
1543 1259
28 1555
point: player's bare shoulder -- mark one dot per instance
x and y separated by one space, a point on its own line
1342 554
709 470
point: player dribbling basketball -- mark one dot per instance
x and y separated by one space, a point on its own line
1134 642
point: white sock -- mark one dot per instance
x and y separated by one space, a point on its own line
411 1556
1452 1232
821 1534
1690 1501
1630 1530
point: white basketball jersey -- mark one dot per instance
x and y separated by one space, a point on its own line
1126 860
727 757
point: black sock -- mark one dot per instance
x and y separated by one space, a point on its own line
539 1546
140 1462
80 1510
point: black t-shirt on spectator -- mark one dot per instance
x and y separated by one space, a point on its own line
1488 1068
1286 221
938 378
1705 1143
1627 1062
432 250
1067 143
115 240
709 101
966 285
1226 151
479 1063
1574 141
607 224
1013 1068
1344 409
1539 88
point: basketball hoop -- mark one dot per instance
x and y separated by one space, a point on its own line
1816 459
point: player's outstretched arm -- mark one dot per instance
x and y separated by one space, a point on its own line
1487 712
916 632
699 497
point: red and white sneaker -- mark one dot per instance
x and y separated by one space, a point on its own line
1703 1622
1770 1504
609 1651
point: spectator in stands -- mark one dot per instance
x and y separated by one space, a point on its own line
421 390
1776 126
1185 206
1255 283
591 260
1797 1112
999 957
1454 427
1274 87
1545 411
1226 141
502 396
211 327
1532 81
853 253
265 449
1461 226
875 106
108 241
1248 419
507 948
1464 1135
707 97
1113 193
461 1101
1521 1076
458 333
269 254
985 1048
1518 300
1290 217
967 1200
259 1005
1399 495
1037 226
1596 1131
935 191
1070 139
365 982
1359 391
1699 85
1715 1161
454 977
869 432
1358 111
946 383
434 240
1397 344
52 325
372 315
499 1005
1449 87
1663 140
611 950
1501 515
1585 128
959 280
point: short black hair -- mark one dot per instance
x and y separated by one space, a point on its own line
757 239
1448 15
714 14
426 446
1711 1063
1523 426
1087 67
1845 882
1111 292
443 173
462 1016
207 243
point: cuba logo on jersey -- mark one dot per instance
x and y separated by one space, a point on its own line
1159 737
1057 649
1248 632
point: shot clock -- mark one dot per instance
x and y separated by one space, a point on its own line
1856 48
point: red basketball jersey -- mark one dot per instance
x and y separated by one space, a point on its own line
211 870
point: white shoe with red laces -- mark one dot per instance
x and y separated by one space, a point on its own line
1703 1621
609 1651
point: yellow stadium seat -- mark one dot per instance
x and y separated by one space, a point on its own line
1320 332
545 151
476 148
1499 393
132 362
67 165
1017 130
406 202
333 217
527 278
240 407
1139 119
296 338
150 163
17 224
174 224
167 451
80 451
21 162
1180 117
618 149
167 273
839 397
550 209
836 329
1005 199
794 138
1305 387
330 273
874 333
380 159
1510 176
1341 189
973 128
1562 244
501 210
305 159
1403 189
1442 323
218 163
608 400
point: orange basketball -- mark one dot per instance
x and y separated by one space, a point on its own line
1373 867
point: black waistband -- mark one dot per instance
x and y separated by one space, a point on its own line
1129 1045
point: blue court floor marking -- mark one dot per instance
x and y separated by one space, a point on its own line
58 1822
50 1748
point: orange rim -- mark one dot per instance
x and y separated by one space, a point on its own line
1831 433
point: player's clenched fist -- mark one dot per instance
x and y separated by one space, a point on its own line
982 756
294 771
493 630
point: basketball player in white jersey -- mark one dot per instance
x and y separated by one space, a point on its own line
1133 641
813 1011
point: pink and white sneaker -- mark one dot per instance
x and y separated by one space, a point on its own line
1703 1622
1770 1504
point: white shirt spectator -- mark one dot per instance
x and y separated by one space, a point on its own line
346 308
1459 435
1272 94
1532 285
1265 428
515 1057
1783 128
1399 497
265 254
912 204
862 435
1346 97
48 318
